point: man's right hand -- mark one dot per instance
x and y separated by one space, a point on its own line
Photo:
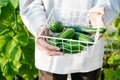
45 47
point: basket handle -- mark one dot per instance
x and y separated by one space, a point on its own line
99 24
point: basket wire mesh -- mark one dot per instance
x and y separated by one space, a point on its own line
70 17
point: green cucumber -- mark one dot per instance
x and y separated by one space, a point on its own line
56 26
71 47
66 34
85 39
53 42
86 30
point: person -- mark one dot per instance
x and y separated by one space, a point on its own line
51 62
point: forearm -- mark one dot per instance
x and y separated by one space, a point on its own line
33 14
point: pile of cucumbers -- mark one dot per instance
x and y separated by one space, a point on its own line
77 35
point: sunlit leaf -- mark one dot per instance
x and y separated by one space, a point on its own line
12 50
16 44
14 3
2 45
28 73
114 59
3 3
117 22
3 60
21 38
9 71
109 74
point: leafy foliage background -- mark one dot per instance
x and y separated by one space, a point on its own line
111 67
16 44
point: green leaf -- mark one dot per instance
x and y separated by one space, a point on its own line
2 28
28 73
9 71
14 3
13 51
8 33
21 38
3 60
118 73
3 3
8 67
114 59
28 54
4 32
7 14
118 38
0 11
117 22
2 45
1 76
109 74
16 44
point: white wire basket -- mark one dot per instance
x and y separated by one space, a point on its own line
69 17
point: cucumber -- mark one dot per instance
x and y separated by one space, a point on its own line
86 30
85 40
71 47
56 26
66 34
53 42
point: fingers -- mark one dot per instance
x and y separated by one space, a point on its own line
96 20
99 36
98 10
42 31
54 53
95 17
44 44
47 48
50 52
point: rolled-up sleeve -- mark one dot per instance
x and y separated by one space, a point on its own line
112 9
33 14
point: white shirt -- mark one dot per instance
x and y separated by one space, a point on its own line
34 14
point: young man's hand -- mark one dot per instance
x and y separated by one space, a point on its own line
45 47
95 16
